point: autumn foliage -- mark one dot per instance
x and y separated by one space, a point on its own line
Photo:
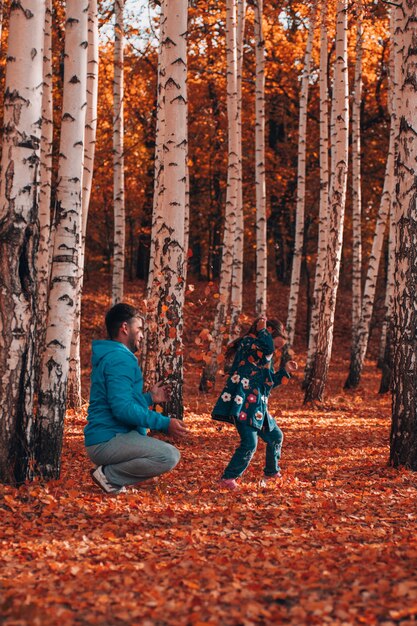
331 544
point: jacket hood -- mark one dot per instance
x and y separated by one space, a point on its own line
102 347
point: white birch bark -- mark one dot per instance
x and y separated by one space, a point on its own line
260 179
19 235
324 190
301 186
168 285
149 355
118 156
403 448
209 371
337 200
74 398
360 345
43 255
237 270
394 101
1 20
356 179
65 274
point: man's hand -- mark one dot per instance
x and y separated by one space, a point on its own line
160 393
176 429
291 366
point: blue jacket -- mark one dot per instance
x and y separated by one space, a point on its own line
117 404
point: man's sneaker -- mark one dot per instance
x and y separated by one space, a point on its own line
229 483
100 479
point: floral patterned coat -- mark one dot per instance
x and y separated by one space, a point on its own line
251 378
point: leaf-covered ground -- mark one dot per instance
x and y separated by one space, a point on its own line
334 543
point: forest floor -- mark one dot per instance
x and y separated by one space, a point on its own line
333 543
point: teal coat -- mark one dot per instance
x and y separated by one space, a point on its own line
117 402
251 378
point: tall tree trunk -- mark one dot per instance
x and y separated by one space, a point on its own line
337 199
210 369
168 286
149 355
237 273
385 350
324 192
1 20
301 186
360 344
74 397
19 235
65 274
356 181
43 254
118 157
403 450
260 179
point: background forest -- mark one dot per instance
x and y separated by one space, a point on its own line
334 543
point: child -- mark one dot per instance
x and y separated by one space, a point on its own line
244 400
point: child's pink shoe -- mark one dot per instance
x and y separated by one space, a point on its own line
271 480
229 483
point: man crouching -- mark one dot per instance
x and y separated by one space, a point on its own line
119 415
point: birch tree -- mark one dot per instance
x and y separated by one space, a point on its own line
326 301
356 180
118 157
65 273
403 449
395 68
260 182
168 284
74 399
223 303
19 234
301 185
237 269
324 190
43 254
361 338
1 19
149 355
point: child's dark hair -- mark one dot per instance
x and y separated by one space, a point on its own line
118 314
275 327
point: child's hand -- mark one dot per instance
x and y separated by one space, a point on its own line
291 366
261 323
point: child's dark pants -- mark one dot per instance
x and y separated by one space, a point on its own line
248 442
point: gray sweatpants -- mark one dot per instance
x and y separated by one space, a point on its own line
130 458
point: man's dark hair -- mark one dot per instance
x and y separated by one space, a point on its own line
118 314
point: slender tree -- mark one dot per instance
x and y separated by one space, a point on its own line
356 179
403 449
223 303
65 273
395 68
19 234
168 285
43 253
326 302
260 182
118 156
74 399
361 336
149 355
301 185
237 269
324 191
